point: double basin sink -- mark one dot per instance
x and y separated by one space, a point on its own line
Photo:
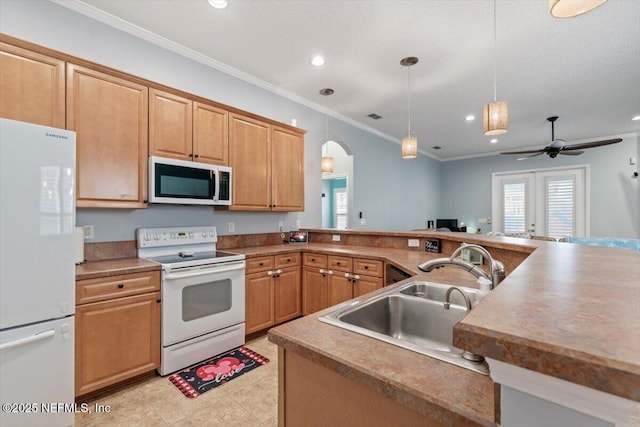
411 316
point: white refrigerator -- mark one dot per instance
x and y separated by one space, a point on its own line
37 275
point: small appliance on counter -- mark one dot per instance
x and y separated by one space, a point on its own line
298 236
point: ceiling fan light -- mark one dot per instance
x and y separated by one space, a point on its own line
409 147
326 164
495 118
572 8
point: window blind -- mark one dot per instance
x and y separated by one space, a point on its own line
561 206
514 208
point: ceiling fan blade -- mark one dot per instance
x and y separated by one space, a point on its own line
591 144
532 155
571 153
524 152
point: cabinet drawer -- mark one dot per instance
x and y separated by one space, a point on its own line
105 288
287 260
256 265
315 260
340 263
368 267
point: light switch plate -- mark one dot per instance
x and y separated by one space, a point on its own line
336 238
413 243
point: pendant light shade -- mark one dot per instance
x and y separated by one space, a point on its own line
495 114
572 8
326 163
496 118
410 143
409 147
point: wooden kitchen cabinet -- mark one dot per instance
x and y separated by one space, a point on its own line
268 166
32 87
273 291
118 332
109 116
180 128
330 280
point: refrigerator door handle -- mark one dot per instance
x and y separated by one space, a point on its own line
28 340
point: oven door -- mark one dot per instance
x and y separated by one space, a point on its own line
199 300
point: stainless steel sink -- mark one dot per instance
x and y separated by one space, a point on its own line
411 316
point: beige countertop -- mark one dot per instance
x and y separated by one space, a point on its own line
113 267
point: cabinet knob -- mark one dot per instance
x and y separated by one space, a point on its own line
261 264
338 263
120 285
158 300
366 267
196 156
190 154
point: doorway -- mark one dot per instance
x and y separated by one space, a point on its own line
337 188
550 202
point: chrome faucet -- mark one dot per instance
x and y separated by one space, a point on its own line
496 268
447 304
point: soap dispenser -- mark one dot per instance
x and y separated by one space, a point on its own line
484 286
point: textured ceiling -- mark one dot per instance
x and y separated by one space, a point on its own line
585 70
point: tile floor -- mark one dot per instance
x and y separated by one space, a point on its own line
250 400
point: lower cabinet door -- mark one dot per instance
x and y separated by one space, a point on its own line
116 340
314 292
288 294
366 284
259 301
339 288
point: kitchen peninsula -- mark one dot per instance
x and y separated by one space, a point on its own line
565 312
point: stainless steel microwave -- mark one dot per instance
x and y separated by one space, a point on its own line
181 182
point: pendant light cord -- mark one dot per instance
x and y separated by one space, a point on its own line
409 99
326 125
495 54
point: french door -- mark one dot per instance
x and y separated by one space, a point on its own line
545 202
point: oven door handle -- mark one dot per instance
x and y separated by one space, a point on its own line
216 270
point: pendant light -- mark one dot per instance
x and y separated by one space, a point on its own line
572 8
326 164
495 114
410 143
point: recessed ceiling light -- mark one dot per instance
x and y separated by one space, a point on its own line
218 4
493 140
470 118
317 60
636 117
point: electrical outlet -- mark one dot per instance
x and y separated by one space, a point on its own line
336 238
297 224
413 243
363 221
483 220
88 232
232 227
281 226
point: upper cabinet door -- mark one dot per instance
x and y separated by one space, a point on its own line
170 125
109 115
31 87
249 156
287 170
210 134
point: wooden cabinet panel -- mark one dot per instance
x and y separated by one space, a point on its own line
340 263
116 340
365 284
287 170
100 289
210 134
255 265
109 115
314 260
31 87
287 260
314 290
288 300
170 125
249 156
339 288
259 301
369 267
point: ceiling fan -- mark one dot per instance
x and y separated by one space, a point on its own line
559 146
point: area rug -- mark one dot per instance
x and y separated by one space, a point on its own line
211 373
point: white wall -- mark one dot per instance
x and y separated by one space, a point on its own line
615 206
384 181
